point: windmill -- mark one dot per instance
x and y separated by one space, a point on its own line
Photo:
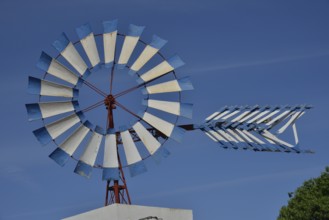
65 121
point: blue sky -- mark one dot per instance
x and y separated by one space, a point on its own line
236 52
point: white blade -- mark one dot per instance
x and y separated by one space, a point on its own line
62 154
90 154
130 148
150 142
170 86
68 51
59 127
55 68
109 41
88 42
163 126
53 130
163 68
110 152
148 52
129 44
49 109
73 141
176 108
47 88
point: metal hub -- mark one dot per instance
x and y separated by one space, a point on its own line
109 102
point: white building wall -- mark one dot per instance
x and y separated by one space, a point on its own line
133 212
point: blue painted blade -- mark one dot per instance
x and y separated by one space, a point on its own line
33 111
159 154
84 30
110 174
61 43
137 168
110 26
60 156
135 30
177 134
157 42
83 169
34 86
43 135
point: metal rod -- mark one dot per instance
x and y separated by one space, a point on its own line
94 88
127 110
93 106
112 77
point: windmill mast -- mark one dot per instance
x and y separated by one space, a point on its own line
115 192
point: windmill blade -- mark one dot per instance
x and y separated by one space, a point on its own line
46 88
152 145
134 160
179 85
252 124
43 110
150 142
88 42
70 144
109 41
88 158
55 68
163 68
168 129
68 51
110 162
176 108
148 52
129 44
51 131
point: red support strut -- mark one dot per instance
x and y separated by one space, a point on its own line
116 191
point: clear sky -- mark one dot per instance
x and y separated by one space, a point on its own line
236 52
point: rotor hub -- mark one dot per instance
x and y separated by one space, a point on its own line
109 102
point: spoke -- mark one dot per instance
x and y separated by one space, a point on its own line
94 88
136 87
127 110
93 106
112 77
128 91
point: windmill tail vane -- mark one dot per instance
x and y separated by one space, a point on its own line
257 128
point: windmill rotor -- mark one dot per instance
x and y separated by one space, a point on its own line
66 124
63 118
